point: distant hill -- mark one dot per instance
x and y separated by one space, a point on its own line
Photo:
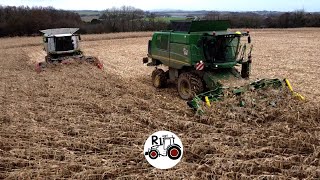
178 12
170 14
181 13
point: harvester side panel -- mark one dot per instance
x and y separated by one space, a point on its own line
160 47
172 49
179 55
196 54
76 43
50 45
180 38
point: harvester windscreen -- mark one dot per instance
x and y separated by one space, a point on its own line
64 43
232 48
221 49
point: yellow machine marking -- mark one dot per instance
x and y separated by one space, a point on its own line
208 101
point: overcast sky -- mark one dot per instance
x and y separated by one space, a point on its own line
221 5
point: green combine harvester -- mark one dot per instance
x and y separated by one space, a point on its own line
199 56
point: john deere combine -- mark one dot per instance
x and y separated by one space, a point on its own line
199 56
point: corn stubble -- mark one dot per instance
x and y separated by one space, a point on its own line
76 121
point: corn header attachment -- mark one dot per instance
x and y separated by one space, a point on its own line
221 92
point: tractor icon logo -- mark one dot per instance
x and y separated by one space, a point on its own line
163 150
172 150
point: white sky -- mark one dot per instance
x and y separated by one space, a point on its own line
226 5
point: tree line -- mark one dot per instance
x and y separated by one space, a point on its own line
294 19
124 19
19 21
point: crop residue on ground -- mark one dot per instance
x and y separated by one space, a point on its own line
76 121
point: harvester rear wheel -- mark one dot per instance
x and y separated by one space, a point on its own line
189 85
159 78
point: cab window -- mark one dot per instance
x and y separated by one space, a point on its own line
162 41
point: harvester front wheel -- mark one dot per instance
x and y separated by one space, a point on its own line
159 78
189 85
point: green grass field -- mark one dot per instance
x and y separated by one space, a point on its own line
87 16
167 19
88 13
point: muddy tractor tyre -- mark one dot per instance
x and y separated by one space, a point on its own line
174 152
159 78
189 85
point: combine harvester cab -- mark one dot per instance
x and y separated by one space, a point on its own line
200 56
63 46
